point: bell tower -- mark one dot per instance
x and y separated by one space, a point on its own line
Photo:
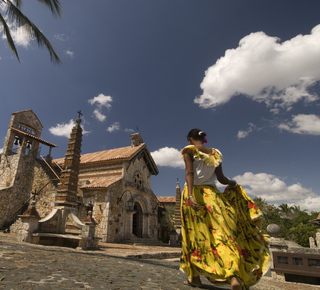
17 163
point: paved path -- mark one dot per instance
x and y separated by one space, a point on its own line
114 266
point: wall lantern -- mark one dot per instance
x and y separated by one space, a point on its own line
130 202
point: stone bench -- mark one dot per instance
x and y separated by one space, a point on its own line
62 240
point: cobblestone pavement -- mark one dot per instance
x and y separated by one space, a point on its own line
114 266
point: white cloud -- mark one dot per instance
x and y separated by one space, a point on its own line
274 190
169 157
265 70
114 127
244 133
303 124
1 150
61 37
20 35
64 129
69 53
99 115
309 203
100 101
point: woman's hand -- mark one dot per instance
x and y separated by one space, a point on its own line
194 204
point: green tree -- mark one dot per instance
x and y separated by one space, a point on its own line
302 232
10 12
285 210
270 213
294 223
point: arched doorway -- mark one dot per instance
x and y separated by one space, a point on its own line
137 220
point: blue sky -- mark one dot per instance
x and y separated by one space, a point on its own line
245 72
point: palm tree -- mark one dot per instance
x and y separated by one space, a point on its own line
286 210
10 11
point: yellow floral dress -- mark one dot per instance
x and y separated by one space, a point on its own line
223 239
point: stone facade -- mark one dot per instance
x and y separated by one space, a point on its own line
108 181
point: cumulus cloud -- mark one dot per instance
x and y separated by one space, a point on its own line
302 124
69 53
168 156
265 70
64 129
19 34
276 191
1 150
114 127
244 133
100 101
61 37
99 116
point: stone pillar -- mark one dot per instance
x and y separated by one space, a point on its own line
30 223
312 243
68 186
318 239
88 240
174 238
276 245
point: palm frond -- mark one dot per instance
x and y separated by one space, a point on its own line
18 3
7 33
16 16
54 5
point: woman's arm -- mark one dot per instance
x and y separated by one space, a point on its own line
188 160
223 179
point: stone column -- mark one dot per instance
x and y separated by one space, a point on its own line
30 223
276 245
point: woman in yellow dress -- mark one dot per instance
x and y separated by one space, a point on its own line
221 236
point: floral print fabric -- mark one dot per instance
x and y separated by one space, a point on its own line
223 239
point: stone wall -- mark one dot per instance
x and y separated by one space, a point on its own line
45 186
8 169
18 174
138 165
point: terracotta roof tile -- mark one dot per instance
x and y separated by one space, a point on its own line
166 199
102 183
107 155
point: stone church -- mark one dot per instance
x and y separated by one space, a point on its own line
113 186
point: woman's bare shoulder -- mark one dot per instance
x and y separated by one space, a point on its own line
204 149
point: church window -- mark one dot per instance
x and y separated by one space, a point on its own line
138 179
25 129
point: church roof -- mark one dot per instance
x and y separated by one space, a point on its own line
106 155
112 154
102 183
166 199
118 154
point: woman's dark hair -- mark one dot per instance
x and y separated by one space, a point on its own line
197 134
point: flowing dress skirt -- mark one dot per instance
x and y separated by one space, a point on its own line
223 239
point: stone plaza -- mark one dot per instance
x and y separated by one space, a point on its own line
113 266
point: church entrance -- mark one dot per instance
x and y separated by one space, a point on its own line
137 220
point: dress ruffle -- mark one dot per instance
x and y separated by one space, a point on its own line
214 159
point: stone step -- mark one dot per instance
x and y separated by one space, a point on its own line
145 242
